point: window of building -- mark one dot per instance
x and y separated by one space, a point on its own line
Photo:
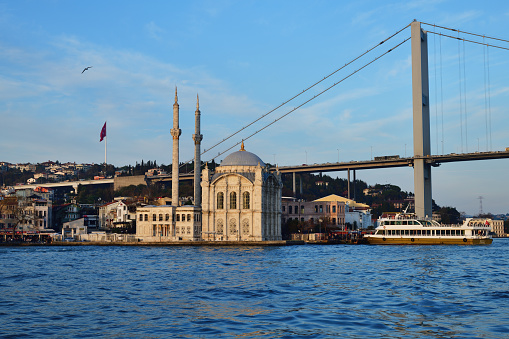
141 217
334 209
188 218
160 217
220 200
321 209
154 217
146 217
178 217
233 200
167 217
334 220
246 204
289 209
302 209
296 209
316 208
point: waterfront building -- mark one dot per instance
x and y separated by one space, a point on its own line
497 226
168 223
325 211
241 200
332 210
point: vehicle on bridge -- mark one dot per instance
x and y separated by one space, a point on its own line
408 229
387 157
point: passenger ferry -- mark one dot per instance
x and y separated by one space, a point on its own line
408 229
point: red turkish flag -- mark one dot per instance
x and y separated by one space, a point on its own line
103 132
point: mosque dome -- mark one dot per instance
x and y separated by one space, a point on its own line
242 158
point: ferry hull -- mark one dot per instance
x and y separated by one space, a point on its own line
427 241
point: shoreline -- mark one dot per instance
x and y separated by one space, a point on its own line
162 244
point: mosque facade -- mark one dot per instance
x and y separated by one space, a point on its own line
239 201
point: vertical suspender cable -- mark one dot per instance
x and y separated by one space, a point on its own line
441 94
485 95
461 91
436 96
489 91
465 96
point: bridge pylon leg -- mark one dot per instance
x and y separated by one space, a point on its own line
421 121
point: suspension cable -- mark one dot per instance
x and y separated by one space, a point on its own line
459 31
317 95
472 41
295 96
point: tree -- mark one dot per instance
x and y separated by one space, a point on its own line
449 215
18 213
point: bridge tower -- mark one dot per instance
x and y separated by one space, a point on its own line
421 121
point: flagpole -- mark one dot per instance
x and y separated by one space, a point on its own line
105 148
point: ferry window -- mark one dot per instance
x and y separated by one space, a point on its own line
398 222
462 232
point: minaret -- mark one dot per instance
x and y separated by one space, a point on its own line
197 137
175 133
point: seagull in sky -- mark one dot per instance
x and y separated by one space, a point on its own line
86 69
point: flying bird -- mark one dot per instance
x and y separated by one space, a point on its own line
86 69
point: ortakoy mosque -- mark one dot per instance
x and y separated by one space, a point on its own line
239 201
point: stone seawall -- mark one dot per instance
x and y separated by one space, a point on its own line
162 244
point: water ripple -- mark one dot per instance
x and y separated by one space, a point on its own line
255 292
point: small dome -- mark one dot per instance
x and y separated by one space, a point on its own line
242 158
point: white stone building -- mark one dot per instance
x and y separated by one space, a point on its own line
168 223
241 201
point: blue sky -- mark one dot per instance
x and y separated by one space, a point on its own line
244 58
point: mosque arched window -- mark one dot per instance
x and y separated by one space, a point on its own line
219 228
245 226
160 217
220 200
246 204
233 226
233 200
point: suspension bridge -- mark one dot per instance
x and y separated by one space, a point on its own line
422 160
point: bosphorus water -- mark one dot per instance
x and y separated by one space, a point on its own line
256 292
